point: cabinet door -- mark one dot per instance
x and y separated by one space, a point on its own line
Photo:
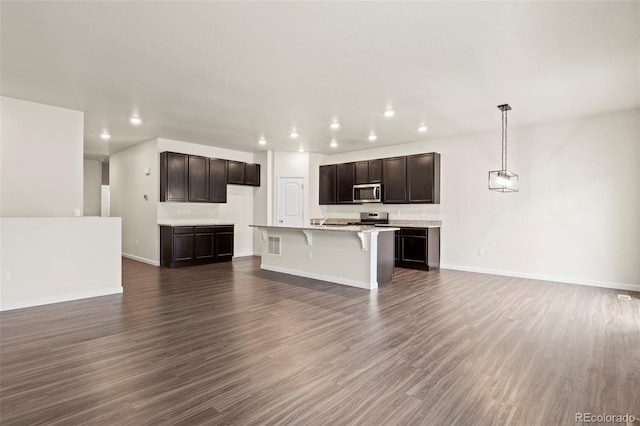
375 171
217 180
252 174
224 244
173 177
182 247
421 178
346 177
236 172
327 184
198 179
362 172
204 248
394 180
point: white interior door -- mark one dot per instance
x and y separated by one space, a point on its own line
290 201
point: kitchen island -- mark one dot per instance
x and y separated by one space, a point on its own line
359 256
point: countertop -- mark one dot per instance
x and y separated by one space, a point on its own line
171 223
392 223
332 228
415 223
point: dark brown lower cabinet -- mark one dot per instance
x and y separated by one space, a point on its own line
418 248
224 244
195 245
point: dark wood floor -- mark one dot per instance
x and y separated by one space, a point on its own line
231 344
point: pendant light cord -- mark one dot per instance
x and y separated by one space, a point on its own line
504 139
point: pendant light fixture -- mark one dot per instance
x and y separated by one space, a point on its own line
503 180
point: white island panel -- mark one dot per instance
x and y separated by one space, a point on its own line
343 256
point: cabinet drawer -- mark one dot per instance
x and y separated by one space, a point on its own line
183 230
224 229
418 232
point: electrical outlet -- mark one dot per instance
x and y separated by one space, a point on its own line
5 275
480 252
310 254
76 212
137 243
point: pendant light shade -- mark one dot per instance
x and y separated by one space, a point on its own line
503 180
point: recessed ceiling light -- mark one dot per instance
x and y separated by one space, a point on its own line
389 113
333 143
136 121
372 137
301 149
262 141
335 125
105 135
294 133
423 128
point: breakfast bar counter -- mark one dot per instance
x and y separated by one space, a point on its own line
359 256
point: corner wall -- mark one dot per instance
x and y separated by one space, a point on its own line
41 171
128 185
576 218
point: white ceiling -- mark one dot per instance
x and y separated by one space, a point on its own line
224 73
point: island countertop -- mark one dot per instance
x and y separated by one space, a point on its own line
194 223
398 223
333 228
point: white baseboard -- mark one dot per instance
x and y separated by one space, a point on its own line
257 253
61 298
564 280
141 259
250 253
320 277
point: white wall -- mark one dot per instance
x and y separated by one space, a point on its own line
575 219
41 170
128 185
57 259
92 187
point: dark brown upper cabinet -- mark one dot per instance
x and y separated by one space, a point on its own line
236 172
198 179
346 173
192 178
243 173
423 178
394 173
328 186
217 180
368 172
407 179
375 171
174 171
252 174
362 172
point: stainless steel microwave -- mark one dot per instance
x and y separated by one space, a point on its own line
367 193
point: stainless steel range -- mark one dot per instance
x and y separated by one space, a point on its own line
372 218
